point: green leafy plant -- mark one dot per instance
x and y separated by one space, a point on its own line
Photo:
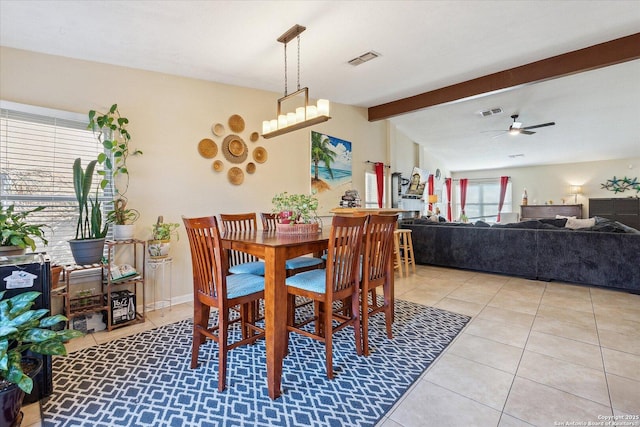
111 130
302 206
21 329
16 231
120 215
164 230
90 215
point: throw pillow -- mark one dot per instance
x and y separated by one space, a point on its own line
563 216
574 223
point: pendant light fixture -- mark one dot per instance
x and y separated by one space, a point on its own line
303 116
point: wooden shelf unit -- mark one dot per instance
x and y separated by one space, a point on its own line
625 210
77 305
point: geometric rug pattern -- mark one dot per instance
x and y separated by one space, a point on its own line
145 379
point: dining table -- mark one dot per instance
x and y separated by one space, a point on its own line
275 248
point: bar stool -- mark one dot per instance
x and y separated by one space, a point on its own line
403 247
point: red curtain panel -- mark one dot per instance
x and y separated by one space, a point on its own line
430 189
503 191
463 193
447 183
380 181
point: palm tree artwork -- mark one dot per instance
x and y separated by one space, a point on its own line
321 151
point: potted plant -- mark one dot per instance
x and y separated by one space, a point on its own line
88 246
123 219
297 211
22 329
160 242
111 130
16 234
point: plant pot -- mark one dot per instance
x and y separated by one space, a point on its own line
87 251
285 217
11 250
123 231
11 396
158 248
297 228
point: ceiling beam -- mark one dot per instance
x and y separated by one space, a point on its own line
590 58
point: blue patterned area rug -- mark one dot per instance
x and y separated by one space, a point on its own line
145 379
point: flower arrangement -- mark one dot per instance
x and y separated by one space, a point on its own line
295 208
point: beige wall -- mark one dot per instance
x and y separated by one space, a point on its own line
169 115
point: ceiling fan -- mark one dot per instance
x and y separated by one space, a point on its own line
517 128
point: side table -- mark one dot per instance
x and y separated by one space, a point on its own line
159 266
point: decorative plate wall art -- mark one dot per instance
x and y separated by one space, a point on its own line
232 148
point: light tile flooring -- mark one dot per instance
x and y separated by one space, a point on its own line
535 353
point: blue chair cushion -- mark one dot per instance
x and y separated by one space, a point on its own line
313 280
256 267
239 285
302 261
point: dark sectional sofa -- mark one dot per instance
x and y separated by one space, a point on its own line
607 254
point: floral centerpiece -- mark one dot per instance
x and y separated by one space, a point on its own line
297 213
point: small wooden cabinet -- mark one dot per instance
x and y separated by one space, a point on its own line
624 210
528 212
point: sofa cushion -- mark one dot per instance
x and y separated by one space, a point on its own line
556 222
576 223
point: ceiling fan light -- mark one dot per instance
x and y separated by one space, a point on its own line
514 131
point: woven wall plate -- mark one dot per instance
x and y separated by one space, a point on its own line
251 167
236 123
235 175
218 166
217 129
234 149
260 154
207 148
254 136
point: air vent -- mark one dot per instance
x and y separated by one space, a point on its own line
491 112
368 56
513 156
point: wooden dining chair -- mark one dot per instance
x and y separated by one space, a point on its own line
294 265
339 281
376 260
242 262
213 287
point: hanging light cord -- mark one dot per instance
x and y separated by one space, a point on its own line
285 70
298 61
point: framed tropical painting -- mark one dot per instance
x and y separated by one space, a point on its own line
331 168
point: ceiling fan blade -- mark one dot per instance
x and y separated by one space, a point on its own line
500 134
540 126
526 132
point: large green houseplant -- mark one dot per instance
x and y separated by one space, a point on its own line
16 234
295 208
22 329
111 131
88 246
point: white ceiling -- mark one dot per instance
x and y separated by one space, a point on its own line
424 45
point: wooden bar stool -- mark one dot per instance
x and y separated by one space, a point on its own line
403 250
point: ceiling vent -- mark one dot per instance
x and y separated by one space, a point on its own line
368 56
513 156
491 112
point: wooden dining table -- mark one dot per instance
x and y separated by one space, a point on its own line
275 249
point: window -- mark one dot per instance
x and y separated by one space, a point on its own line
37 150
371 190
483 197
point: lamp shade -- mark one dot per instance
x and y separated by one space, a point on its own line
575 189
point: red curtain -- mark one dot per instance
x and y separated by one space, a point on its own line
447 183
503 191
430 190
380 181
463 194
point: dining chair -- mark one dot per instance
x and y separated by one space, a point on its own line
242 262
376 260
214 288
294 265
339 281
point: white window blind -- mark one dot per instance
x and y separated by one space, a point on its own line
37 150
371 190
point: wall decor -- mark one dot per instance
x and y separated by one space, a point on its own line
207 148
330 169
233 149
620 185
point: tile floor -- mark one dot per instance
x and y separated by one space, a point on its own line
535 353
